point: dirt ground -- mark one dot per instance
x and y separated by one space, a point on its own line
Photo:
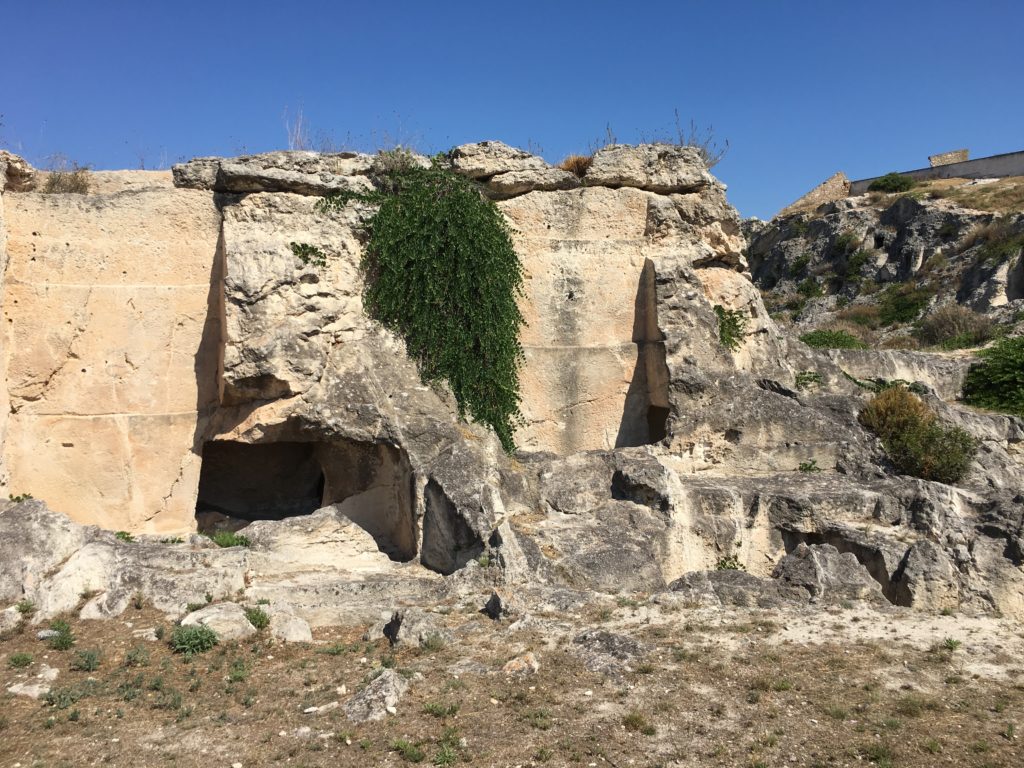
846 687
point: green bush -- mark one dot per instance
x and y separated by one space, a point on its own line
799 265
86 661
229 539
732 325
19 660
917 442
257 617
441 272
124 536
64 639
892 182
192 639
845 243
809 288
824 339
902 303
997 382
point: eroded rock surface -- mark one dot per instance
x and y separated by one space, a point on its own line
651 451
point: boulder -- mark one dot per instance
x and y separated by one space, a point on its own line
413 627
228 620
662 168
486 159
504 603
827 574
16 175
380 694
289 628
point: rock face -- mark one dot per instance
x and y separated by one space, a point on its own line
110 351
840 255
652 452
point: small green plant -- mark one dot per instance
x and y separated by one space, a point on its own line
257 617
63 698
193 607
25 607
808 379
19 660
433 642
173 540
997 382
636 722
20 497
732 325
809 466
238 671
902 303
124 536
809 288
408 751
845 244
137 657
538 718
229 539
729 563
951 644
484 561
826 339
798 267
86 661
892 182
440 710
64 639
192 639
915 440
309 254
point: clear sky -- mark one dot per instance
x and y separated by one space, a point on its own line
800 89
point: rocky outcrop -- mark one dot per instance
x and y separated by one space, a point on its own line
651 450
838 256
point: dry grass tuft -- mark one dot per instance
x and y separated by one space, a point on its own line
577 164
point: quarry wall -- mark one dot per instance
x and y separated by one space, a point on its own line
143 320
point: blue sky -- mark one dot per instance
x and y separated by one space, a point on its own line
800 89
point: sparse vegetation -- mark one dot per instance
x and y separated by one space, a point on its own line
67 178
257 617
64 639
86 661
729 563
229 539
997 382
809 466
915 440
732 325
892 182
902 303
577 165
192 639
19 660
808 379
955 327
826 339
124 536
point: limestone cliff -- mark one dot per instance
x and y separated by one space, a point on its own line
169 359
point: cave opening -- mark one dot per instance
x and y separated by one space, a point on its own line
372 485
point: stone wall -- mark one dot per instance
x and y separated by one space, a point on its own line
993 167
945 158
110 349
835 187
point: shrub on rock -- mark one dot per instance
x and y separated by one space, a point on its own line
997 382
915 440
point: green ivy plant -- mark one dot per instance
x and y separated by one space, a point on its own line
732 325
441 272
